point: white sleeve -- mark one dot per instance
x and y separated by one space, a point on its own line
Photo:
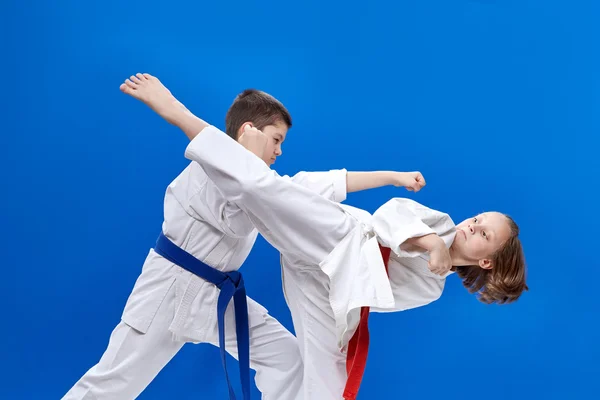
208 203
401 219
329 184
412 285
290 217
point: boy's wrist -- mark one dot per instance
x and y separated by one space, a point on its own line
391 178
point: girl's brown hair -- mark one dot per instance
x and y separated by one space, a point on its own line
505 281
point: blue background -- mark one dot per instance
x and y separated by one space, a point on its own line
496 102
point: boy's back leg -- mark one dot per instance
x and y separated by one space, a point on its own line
131 361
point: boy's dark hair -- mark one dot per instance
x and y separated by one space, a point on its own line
257 107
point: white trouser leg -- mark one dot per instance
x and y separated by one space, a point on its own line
131 361
275 357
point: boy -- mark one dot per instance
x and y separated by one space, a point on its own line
171 305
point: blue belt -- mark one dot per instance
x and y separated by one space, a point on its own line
232 286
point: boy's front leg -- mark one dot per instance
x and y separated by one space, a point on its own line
292 218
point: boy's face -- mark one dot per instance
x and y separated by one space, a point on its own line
276 134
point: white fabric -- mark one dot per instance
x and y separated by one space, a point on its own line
332 265
133 359
170 306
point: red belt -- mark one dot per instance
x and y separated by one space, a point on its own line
358 347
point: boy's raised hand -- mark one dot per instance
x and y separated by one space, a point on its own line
253 140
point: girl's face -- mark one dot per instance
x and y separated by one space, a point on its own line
478 238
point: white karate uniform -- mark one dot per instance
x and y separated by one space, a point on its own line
170 306
332 265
